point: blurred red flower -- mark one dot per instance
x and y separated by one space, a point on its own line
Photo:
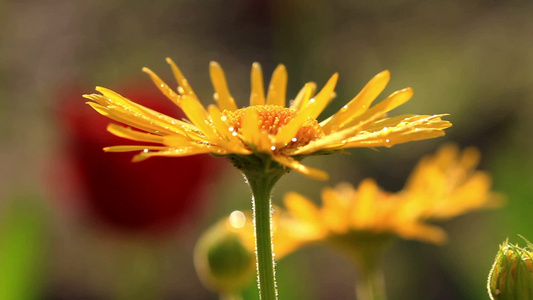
151 195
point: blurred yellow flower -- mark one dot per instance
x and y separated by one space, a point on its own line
447 184
284 240
268 128
442 186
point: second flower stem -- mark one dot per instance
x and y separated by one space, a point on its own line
370 285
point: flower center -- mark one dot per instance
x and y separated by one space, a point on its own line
272 118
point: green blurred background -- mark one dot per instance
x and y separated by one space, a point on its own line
471 59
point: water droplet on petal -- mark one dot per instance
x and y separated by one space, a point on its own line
273 148
294 139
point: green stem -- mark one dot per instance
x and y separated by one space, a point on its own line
370 285
366 250
261 186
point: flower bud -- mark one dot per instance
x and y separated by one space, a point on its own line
511 277
223 259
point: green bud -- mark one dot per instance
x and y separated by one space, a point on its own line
223 260
511 277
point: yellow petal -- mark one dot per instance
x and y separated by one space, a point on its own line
176 141
251 133
163 87
99 108
393 139
112 97
287 132
301 208
173 153
197 114
139 120
304 96
391 102
470 158
278 87
423 232
134 148
222 95
296 165
134 135
311 110
335 140
184 87
334 211
360 103
316 105
257 96
386 122
363 209
119 105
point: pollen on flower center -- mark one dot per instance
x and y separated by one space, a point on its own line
272 118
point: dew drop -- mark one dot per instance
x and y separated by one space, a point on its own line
234 133
224 118
273 148
311 100
145 151
294 139
231 128
237 219
162 85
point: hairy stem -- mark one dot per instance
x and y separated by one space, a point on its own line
261 188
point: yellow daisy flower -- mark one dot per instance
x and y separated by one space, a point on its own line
268 128
442 186
447 184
